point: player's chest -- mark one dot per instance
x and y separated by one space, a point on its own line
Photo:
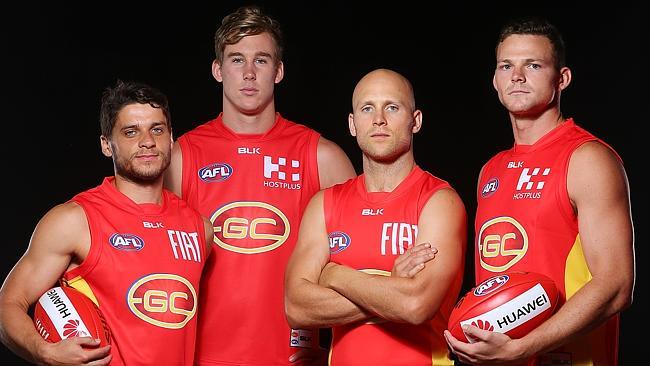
365 235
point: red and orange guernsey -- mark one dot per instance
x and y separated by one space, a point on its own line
525 222
143 271
254 189
367 232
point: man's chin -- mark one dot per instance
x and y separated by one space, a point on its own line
144 178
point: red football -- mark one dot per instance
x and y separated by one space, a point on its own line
512 303
64 312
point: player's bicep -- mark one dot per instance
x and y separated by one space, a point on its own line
443 223
312 249
598 188
60 236
209 236
334 166
174 173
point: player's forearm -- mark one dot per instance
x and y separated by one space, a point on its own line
309 305
589 308
18 333
391 298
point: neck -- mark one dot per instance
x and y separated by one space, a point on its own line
528 130
385 177
138 192
253 123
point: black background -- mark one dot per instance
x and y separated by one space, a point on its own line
57 59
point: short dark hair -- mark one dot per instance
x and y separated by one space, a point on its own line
125 93
247 21
539 27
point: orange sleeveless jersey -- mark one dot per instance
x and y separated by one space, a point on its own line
143 271
254 189
368 231
525 222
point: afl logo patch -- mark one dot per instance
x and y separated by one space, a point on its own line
490 187
490 285
250 227
128 242
162 299
339 241
217 172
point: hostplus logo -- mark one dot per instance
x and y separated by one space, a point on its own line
531 181
281 173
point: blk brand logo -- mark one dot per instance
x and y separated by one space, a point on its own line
372 212
248 150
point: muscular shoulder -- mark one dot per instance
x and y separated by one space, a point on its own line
594 159
328 148
69 214
63 226
594 151
445 200
595 169
334 166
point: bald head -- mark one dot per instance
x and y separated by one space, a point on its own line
384 118
384 82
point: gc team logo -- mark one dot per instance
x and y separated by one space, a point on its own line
490 285
338 241
502 242
216 172
162 299
250 227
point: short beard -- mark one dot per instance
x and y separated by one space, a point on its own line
149 177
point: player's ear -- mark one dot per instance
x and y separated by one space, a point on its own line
216 70
417 121
106 146
565 78
353 130
279 72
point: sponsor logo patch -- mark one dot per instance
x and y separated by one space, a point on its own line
217 172
339 241
128 242
515 312
490 187
490 285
